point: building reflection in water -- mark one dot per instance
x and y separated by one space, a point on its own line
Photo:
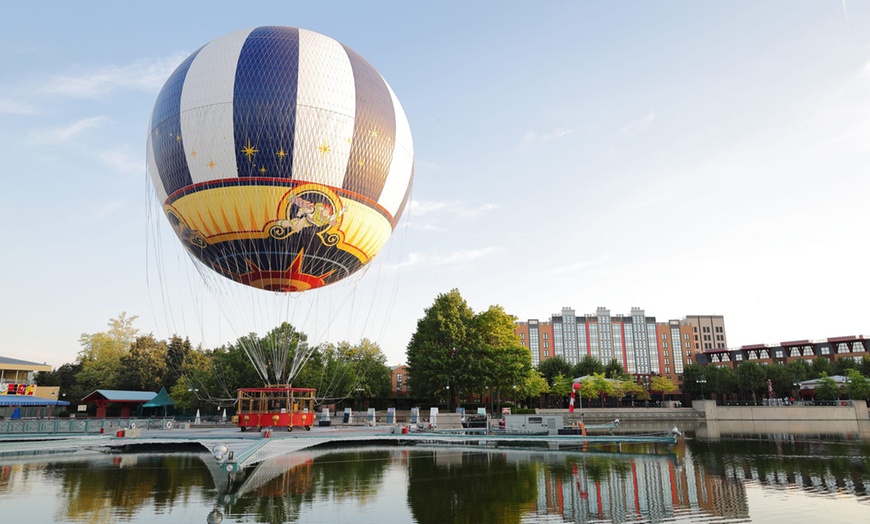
698 479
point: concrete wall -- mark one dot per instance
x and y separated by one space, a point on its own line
853 411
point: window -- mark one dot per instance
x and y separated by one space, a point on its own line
688 345
825 350
546 335
685 336
666 353
664 344
688 353
664 336
546 353
522 336
667 361
546 344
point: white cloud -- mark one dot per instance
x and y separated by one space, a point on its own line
143 75
123 160
534 139
456 208
639 125
65 133
456 258
15 107
107 210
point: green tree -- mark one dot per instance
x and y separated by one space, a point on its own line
800 370
827 388
101 353
821 365
144 365
587 366
721 381
842 365
751 379
535 385
625 386
864 367
614 369
177 350
780 379
436 350
561 386
497 357
857 386
372 375
600 386
692 375
662 384
553 367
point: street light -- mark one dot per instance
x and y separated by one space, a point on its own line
702 381
448 394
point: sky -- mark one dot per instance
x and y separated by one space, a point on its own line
687 158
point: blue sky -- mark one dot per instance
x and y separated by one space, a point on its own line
683 157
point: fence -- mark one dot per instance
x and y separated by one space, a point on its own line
84 426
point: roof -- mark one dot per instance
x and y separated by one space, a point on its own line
23 364
29 400
162 399
114 395
811 384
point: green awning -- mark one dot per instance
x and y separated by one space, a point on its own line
161 400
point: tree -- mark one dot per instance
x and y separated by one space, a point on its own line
821 365
372 375
662 384
496 356
101 353
600 386
857 386
800 370
144 365
780 379
692 375
864 367
626 386
827 388
561 386
177 350
843 365
587 366
721 381
535 385
437 346
614 369
750 379
553 367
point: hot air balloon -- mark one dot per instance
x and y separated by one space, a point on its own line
281 158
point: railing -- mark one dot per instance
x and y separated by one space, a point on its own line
83 426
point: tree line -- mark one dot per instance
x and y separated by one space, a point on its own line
122 358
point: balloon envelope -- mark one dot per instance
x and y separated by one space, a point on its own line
281 158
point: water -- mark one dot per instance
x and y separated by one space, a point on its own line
762 478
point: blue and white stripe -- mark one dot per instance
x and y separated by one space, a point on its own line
281 89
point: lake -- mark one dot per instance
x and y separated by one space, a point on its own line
738 477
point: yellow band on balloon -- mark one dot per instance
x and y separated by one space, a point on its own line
239 212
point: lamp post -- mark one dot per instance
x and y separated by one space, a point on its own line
702 381
448 394
797 388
